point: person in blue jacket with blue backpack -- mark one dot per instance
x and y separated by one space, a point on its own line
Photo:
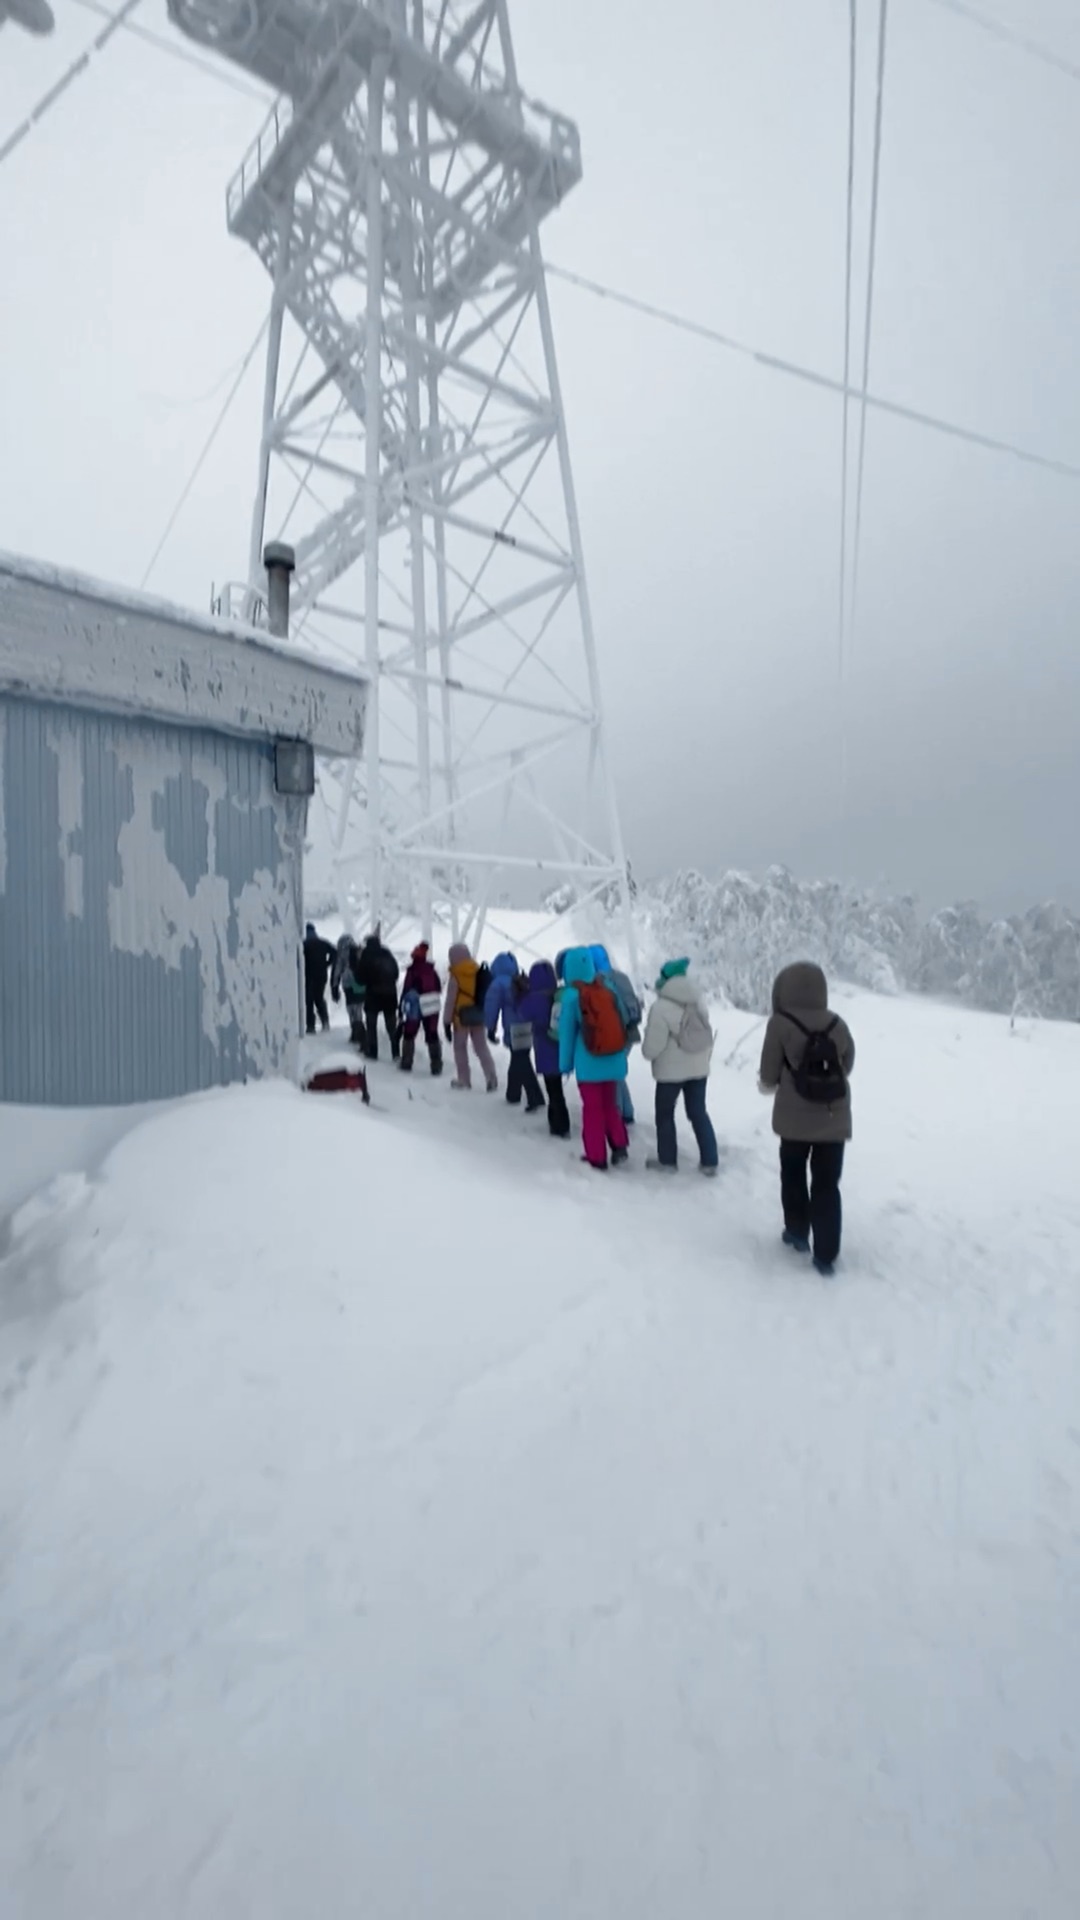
505 1002
537 1006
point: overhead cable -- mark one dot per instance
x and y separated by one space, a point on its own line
826 382
868 330
178 50
206 449
49 99
1009 36
852 79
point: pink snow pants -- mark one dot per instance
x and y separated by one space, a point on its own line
479 1039
601 1124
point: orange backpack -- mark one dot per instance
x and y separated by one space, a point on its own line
601 1022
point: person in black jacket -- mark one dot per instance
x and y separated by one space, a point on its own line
377 972
318 960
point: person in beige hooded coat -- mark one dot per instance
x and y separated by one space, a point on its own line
678 1043
812 1133
463 1021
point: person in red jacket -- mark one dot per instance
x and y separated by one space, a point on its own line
421 999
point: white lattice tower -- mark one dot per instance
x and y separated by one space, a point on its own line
416 455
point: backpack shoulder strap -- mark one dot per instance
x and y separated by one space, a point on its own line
813 1033
806 1033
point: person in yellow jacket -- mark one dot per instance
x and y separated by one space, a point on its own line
463 1020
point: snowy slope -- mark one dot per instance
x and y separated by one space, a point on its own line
400 1520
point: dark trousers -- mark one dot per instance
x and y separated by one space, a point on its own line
388 1009
521 1079
315 1003
816 1213
558 1111
431 1041
667 1099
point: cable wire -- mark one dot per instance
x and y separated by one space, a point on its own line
847 337
775 362
868 332
224 74
1009 36
206 449
49 99
845 421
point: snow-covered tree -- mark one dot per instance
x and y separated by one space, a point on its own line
740 930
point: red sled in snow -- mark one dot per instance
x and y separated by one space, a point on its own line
330 1079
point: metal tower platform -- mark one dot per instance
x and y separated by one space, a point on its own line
419 444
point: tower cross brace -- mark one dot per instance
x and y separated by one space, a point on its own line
414 447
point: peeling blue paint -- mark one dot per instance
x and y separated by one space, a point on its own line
149 924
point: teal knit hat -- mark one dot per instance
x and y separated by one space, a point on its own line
672 970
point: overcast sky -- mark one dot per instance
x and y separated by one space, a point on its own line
715 140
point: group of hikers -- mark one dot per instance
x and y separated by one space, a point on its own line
581 1017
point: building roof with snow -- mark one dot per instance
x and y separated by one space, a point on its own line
66 637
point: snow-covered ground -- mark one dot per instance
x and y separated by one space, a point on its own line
400 1520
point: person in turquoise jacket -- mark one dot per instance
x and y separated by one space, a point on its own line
597 1075
628 1003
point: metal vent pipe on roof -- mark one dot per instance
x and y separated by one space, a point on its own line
279 559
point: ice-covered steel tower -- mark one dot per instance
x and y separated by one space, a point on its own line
416 454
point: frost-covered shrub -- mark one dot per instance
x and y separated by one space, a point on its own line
740 930
1051 942
561 899
949 951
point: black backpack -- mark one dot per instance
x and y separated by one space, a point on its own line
819 1076
483 984
384 973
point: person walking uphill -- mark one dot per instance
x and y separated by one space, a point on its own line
537 1007
463 1018
377 972
592 1045
495 997
806 1059
630 1009
421 998
503 1002
343 981
319 957
678 1044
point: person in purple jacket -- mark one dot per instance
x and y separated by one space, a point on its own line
535 1006
505 995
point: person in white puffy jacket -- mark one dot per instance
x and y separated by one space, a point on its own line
678 1044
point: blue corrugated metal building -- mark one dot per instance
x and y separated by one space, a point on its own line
151 842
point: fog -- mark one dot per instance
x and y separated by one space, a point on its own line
715 142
